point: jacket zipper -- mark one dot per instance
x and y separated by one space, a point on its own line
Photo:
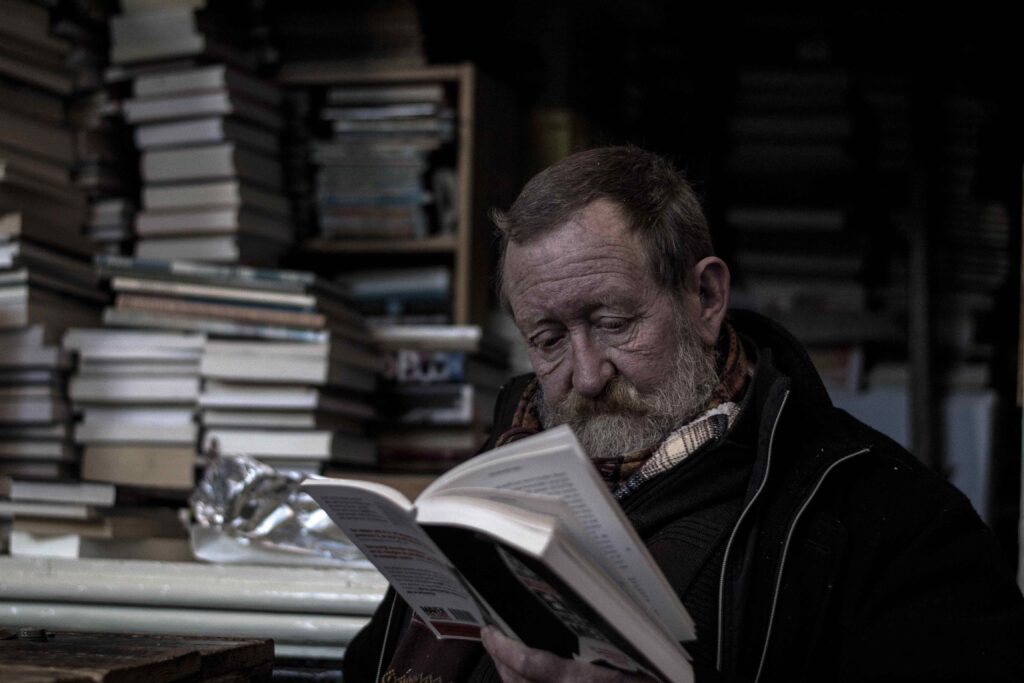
735 529
785 552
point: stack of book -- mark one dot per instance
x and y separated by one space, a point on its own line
82 519
388 158
136 394
288 366
801 250
975 254
35 432
208 134
437 403
46 280
401 295
105 158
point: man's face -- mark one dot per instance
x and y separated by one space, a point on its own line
615 353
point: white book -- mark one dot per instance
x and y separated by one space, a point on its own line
213 77
225 160
112 432
212 221
80 492
149 109
278 419
94 341
287 370
115 354
206 130
134 389
223 193
161 32
10 508
298 444
73 546
216 248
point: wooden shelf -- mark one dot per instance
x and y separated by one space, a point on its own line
423 245
485 164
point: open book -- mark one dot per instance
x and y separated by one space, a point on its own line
528 538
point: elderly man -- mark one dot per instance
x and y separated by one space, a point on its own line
806 546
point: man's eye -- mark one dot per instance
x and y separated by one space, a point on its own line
612 324
547 342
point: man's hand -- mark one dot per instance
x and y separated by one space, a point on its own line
517 663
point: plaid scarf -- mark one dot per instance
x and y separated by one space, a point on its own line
625 473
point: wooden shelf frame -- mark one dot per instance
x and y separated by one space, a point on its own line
487 153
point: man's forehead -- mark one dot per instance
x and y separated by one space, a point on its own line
586 236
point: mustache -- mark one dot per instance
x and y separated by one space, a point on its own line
620 397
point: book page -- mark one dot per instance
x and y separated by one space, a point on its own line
379 521
553 464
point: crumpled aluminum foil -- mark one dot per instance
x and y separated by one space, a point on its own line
248 512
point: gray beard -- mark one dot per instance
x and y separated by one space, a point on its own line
622 420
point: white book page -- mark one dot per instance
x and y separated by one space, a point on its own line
553 464
380 522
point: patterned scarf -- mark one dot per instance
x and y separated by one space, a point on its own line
625 473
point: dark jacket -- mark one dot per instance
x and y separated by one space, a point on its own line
850 560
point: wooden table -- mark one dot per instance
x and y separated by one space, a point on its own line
36 656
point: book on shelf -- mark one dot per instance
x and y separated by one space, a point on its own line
526 538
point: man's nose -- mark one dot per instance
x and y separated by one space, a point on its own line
591 368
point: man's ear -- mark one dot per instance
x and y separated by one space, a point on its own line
712 278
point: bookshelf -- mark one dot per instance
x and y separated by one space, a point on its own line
487 174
